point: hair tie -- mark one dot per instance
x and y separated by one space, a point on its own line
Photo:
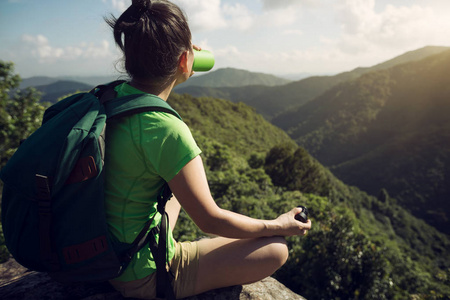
141 6
136 10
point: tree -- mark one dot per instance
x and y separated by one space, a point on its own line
20 111
338 262
274 163
295 169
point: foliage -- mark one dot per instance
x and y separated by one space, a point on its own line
343 256
369 241
235 125
360 246
20 112
296 170
337 262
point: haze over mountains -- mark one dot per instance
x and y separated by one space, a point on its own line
381 127
271 101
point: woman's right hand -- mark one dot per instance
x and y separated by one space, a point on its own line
198 48
289 226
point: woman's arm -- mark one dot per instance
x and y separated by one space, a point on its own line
190 187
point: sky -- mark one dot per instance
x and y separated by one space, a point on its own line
281 37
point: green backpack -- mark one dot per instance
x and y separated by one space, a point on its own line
53 212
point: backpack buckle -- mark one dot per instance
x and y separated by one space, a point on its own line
43 188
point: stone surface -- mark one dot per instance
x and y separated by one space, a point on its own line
17 283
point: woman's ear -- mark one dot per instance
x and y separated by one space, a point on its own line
183 63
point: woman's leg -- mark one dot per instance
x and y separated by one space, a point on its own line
227 262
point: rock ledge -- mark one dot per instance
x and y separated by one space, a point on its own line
16 283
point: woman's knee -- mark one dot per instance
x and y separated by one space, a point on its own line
279 251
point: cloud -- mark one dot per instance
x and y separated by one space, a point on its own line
296 32
36 55
281 17
277 4
211 15
396 27
40 48
118 5
238 16
203 15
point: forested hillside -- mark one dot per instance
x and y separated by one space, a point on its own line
387 129
360 246
368 243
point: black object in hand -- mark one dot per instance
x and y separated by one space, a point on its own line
303 216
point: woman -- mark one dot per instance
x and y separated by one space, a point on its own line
148 149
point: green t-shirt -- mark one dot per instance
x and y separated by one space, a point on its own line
143 151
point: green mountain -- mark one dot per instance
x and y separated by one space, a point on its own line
273 101
94 80
410 56
230 77
53 91
36 81
373 245
387 129
89 80
234 125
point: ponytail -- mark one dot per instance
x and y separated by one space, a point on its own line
152 35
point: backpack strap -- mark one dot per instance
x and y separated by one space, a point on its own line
164 288
130 104
47 253
105 92
137 103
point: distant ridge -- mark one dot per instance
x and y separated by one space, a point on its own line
53 91
410 56
271 101
230 77
95 80
88 80
36 81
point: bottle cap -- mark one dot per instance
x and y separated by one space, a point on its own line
303 216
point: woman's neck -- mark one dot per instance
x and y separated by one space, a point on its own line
161 90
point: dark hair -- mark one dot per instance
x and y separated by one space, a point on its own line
152 35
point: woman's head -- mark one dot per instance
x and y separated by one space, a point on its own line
152 36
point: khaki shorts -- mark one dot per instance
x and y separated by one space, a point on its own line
184 267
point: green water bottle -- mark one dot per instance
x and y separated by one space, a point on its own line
203 61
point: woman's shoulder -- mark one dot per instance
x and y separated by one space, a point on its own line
161 121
